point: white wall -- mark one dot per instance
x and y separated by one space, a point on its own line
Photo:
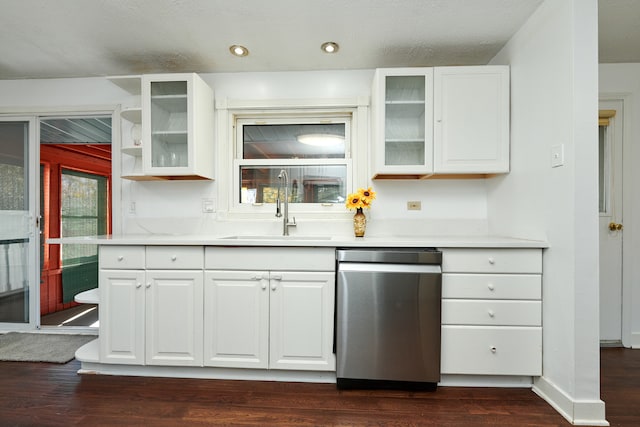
622 81
448 206
553 62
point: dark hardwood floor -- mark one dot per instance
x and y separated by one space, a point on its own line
41 394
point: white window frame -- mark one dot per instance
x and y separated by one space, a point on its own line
354 113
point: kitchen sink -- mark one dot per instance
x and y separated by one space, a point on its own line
265 237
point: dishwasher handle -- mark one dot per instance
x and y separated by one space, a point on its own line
390 268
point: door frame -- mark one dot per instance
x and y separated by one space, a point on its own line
627 335
34 114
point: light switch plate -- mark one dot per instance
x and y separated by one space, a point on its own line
557 155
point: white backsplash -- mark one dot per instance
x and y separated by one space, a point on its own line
449 207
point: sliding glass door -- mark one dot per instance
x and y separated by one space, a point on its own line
18 226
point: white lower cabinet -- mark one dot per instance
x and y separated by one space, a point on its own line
492 312
151 317
269 319
496 350
173 318
121 313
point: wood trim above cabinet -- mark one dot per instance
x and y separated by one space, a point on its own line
435 176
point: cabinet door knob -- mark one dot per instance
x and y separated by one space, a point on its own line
264 285
138 285
493 349
120 257
274 285
491 287
148 285
174 257
491 313
492 260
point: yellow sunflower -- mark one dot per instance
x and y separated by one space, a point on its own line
354 201
367 195
360 199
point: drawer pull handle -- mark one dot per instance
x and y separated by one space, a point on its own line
173 257
120 257
492 260
491 287
493 349
491 313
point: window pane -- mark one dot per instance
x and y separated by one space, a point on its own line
603 169
13 171
83 212
294 141
307 184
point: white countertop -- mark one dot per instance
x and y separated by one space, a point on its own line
311 241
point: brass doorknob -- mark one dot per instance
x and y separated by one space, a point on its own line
613 226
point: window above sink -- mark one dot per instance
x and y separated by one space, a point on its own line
314 147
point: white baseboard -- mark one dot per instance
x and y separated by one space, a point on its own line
635 340
449 380
207 373
577 412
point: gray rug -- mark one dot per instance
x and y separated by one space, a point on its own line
54 348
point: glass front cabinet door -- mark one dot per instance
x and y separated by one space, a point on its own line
402 100
177 122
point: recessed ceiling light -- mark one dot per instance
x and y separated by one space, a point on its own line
329 47
238 50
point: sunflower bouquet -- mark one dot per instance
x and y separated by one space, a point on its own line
361 199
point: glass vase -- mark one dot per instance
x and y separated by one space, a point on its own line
359 223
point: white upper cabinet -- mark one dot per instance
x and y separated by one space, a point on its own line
471 126
439 121
177 126
402 111
171 131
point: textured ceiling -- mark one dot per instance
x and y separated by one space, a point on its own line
80 38
69 38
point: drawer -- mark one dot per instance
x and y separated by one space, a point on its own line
492 286
491 312
175 257
492 260
121 257
491 350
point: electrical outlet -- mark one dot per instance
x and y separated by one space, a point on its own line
208 206
414 206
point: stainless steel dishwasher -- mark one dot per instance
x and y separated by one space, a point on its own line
388 318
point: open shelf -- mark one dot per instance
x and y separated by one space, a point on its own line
132 151
92 296
133 114
90 352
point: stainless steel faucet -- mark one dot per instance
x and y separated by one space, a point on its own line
284 179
